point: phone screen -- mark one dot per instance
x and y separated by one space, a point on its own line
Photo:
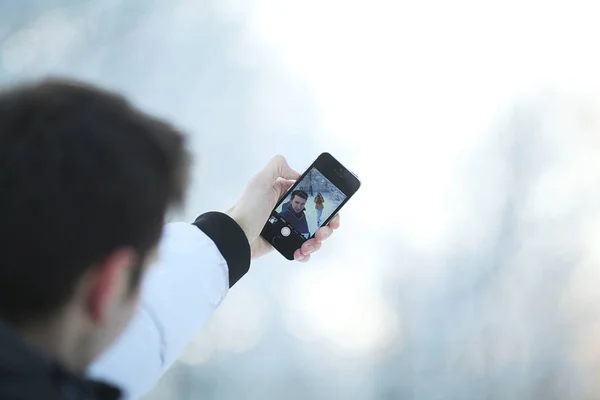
311 202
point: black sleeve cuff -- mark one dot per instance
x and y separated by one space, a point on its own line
231 241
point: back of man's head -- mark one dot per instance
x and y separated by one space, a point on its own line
85 182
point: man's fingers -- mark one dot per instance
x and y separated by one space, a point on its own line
298 256
323 233
335 222
310 246
279 168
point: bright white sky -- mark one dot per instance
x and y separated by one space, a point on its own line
410 87
407 92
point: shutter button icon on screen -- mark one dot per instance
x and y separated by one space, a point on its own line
285 231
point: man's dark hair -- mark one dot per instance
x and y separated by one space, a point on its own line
299 193
82 173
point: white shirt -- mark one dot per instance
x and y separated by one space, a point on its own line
179 293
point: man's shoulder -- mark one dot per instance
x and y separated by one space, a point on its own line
31 390
35 386
26 374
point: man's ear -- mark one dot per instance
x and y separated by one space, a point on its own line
109 281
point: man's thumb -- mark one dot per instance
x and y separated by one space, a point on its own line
279 168
283 186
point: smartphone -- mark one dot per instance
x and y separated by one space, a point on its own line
313 200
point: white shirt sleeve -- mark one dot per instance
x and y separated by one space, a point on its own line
179 293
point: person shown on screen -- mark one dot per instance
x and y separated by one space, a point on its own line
319 200
293 212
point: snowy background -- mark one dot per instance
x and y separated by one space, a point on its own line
313 183
477 120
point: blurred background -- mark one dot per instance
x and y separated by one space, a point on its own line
468 263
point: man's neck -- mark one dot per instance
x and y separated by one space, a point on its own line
58 340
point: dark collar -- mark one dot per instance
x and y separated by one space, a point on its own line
21 363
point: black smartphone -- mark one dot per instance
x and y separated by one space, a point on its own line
313 200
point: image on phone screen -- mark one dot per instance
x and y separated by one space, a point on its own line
312 201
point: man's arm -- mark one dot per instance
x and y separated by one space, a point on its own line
197 265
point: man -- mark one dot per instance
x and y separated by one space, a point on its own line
293 212
85 181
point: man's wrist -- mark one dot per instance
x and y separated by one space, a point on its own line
240 221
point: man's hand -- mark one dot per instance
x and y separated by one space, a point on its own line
254 208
